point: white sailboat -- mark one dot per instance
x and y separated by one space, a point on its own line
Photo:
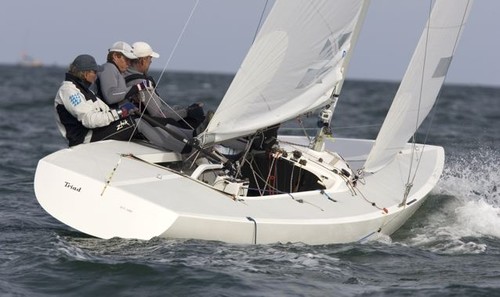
316 193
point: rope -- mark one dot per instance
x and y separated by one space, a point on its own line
269 174
108 181
336 128
301 124
244 158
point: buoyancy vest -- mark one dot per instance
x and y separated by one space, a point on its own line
140 76
135 76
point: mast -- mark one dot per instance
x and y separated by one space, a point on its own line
326 114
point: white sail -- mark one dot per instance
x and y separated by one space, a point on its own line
292 67
423 80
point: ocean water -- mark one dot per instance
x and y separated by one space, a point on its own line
451 247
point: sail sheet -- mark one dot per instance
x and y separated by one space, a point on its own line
422 81
292 67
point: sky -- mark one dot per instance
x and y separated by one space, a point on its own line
219 32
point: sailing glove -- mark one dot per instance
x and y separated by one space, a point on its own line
126 110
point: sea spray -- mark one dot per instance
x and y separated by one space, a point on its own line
464 207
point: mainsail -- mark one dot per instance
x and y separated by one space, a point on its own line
422 81
291 69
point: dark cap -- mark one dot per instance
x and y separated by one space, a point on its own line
85 63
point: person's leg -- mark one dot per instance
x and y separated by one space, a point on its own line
162 138
117 130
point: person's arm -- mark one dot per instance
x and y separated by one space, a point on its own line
91 114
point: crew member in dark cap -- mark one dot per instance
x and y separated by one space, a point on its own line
81 116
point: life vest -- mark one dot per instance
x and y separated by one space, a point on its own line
135 76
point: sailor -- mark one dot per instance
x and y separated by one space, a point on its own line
110 83
148 98
81 116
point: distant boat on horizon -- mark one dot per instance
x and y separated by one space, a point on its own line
29 61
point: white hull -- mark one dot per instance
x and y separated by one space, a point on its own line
144 200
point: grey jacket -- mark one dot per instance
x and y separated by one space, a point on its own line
112 85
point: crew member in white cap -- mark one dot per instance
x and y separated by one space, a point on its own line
186 117
111 84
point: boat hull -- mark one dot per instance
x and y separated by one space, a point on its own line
103 190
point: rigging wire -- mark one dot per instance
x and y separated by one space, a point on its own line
135 124
438 98
181 35
179 38
432 116
260 21
174 49
409 183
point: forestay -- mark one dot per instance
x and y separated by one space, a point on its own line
292 67
422 81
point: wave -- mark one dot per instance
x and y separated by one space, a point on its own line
464 209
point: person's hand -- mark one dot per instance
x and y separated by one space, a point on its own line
127 109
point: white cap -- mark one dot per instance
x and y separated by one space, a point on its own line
142 49
124 48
